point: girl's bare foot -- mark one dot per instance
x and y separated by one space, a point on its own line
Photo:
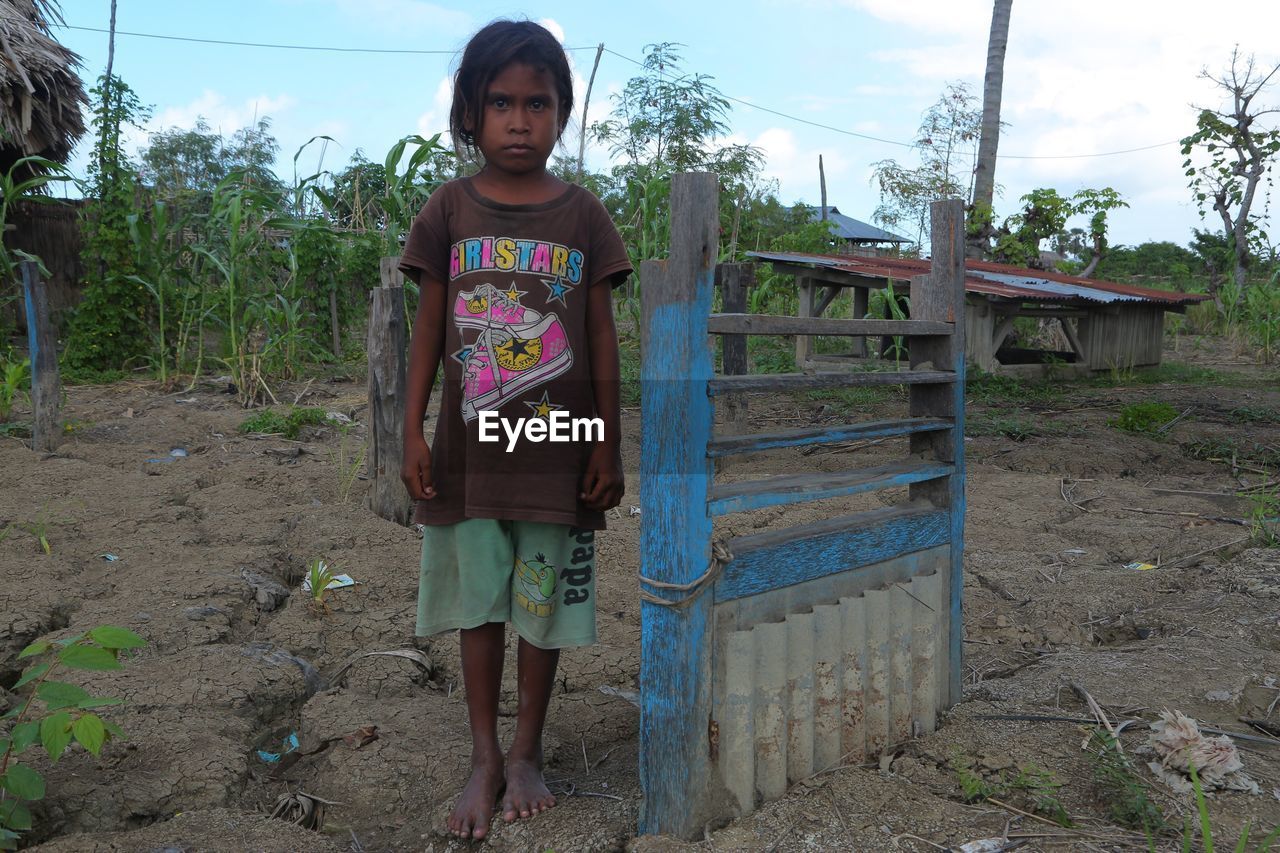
470 818
527 792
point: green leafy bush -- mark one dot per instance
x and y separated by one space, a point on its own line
54 714
288 424
1146 418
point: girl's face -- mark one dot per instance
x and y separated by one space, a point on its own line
521 122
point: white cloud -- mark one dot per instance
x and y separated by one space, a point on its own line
796 167
217 112
554 26
436 119
1091 77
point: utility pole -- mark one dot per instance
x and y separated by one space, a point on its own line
111 40
582 137
822 184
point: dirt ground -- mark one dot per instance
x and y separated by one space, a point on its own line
213 545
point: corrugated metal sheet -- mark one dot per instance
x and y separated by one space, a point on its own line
993 279
837 684
848 228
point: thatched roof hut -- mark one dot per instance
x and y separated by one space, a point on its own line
40 93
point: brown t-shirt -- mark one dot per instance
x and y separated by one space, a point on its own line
515 344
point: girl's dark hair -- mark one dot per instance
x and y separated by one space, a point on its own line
492 49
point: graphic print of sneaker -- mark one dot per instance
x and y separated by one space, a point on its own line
516 349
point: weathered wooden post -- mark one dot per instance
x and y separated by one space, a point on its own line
675 659
939 296
46 385
386 347
733 280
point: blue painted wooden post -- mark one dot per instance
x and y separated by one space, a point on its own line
42 345
940 296
675 659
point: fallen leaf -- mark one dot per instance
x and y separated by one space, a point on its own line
361 737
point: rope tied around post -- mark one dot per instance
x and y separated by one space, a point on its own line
720 557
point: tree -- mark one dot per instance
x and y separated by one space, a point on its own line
184 165
109 328
666 120
905 193
984 173
1240 153
1095 204
1044 217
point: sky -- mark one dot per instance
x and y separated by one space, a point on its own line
1082 80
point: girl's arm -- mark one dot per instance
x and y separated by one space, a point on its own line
603 484
424 359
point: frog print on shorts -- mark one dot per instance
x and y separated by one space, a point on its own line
535 585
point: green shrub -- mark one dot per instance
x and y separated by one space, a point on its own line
288 424
53 715
1146 418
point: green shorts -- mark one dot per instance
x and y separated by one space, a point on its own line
539 577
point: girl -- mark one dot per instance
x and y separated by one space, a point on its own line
515 268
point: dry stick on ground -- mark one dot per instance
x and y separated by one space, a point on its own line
923 840
1208 551
1062 489
835 805
1170 424
1222 519
602 758
1098 713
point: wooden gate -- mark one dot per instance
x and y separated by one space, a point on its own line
770 657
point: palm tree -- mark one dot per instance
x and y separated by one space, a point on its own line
984 177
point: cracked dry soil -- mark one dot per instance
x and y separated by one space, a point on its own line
213 546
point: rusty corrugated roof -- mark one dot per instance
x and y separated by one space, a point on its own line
993 279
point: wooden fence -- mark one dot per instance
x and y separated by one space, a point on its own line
769 657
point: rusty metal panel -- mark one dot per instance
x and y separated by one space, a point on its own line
800 705
853 722
900 686
736 720
771 709
992 279
827 671
839 682
875 703
925 627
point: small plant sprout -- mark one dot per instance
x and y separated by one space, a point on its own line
319 576
40 530
54 714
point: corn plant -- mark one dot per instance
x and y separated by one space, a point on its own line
319 576
14 376
236 253
53 715
164 263
408 189
1261 317
887 303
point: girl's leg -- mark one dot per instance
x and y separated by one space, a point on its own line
483 649
527 792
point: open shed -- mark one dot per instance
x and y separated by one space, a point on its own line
1107 325
855 236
